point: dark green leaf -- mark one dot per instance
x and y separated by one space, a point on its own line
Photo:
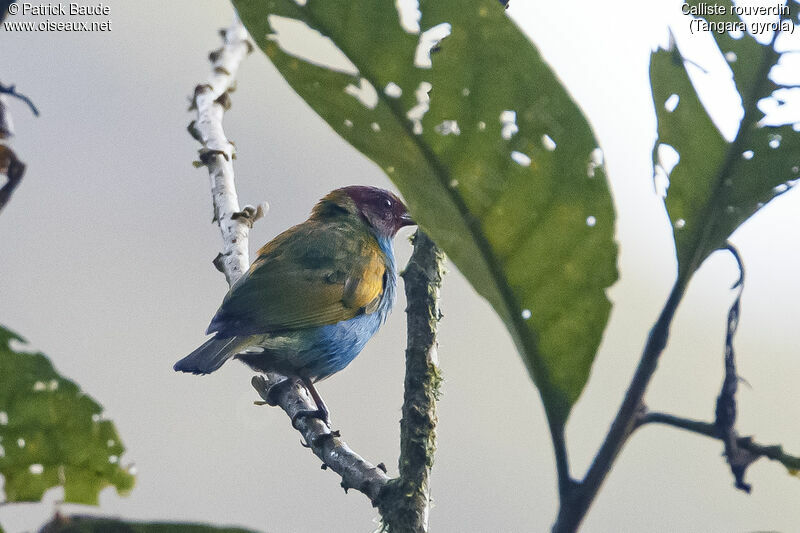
534 237
52 434
717 185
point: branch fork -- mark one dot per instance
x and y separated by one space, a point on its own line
403 501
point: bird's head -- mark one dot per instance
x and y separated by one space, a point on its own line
380 209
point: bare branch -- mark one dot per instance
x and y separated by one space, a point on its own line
709 429
11 90
14 169
406 502
580 495
6 124
738 458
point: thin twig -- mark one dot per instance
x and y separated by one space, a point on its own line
709 429
211 100
578 499
11 90
405 504
725 413
6 124
14 169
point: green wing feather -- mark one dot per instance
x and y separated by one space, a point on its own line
316 273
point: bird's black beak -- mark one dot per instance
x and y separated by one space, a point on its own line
406 220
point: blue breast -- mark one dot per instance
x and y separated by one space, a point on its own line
336 345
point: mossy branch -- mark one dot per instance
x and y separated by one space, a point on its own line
405 501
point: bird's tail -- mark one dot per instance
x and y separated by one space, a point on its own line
211 355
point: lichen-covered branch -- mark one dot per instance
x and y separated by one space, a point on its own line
709 429
405 503
356 473
211 101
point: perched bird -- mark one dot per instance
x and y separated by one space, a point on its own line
314 295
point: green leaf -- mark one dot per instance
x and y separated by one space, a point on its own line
717 184
517 230
89 524
52 434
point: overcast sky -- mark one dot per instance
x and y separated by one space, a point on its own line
105 264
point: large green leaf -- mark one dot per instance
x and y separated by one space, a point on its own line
533 233
51 433
717 184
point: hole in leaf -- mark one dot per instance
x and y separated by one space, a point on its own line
660 181
297 39
393 90
526 314
730 57
348 123
672 103
409 13
680 224
508 119
748 154
775 141
416 113
591 221
548 143
521 159
427 41
595 161
668 157
36 469
448 127
365 93
375 126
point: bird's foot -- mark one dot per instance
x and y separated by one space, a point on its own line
311 413
272 392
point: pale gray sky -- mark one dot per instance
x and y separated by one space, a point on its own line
106 266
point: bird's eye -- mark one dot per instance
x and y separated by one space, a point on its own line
387 203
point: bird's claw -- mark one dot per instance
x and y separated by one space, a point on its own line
311 413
